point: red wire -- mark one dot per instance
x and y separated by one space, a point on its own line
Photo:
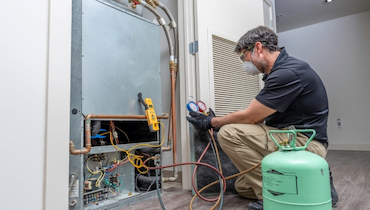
115 165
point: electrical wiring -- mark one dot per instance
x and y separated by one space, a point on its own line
137 158
121 183
120 162
137 162
149 145
150 158
99 180
113 130
123 133
116 192
103 172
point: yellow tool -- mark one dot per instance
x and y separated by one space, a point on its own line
149 113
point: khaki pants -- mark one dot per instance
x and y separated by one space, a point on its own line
247 144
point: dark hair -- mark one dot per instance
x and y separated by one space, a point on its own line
262 34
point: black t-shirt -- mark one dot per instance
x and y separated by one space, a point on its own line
296 92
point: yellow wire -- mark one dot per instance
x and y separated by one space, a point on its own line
97 183
137 162
129 155
104 133
148 145
100 179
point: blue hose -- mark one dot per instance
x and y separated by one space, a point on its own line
158 193
219 177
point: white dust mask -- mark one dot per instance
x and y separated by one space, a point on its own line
250 68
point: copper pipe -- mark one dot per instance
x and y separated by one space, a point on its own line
88 118
114 117
166 148
87 148
173 71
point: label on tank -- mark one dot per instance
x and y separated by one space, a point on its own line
278 183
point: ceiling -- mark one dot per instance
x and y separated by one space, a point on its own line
299 13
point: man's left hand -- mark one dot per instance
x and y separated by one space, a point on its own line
200 121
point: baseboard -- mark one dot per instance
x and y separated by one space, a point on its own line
348 146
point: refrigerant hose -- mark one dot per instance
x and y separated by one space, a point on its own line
222 186
215 182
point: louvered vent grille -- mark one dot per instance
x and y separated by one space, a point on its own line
233 88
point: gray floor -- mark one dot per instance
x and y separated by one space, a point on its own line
351 172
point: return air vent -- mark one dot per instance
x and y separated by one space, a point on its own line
233 88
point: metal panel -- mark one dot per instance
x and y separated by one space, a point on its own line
120 58
76 118
105 149
125 5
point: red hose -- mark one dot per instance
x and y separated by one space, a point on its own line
195 163
193 179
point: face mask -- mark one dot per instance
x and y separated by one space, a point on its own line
250 68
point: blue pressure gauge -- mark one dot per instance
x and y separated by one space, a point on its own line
191 106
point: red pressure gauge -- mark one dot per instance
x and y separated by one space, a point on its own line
202 106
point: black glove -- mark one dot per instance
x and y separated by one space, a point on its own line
212 114
200 121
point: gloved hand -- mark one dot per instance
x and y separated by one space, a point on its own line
200 121
212 114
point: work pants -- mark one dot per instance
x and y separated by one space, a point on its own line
247 144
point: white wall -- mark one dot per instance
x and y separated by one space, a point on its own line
339 52
227 20
34 81
23 89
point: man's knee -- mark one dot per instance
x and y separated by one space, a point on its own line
224 134
245 191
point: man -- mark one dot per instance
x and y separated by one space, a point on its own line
293 96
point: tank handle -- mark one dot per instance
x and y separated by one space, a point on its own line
294 133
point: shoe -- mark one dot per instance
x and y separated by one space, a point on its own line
258 205
334 194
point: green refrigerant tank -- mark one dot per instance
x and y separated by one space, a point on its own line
295 179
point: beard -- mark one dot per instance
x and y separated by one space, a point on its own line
262 66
